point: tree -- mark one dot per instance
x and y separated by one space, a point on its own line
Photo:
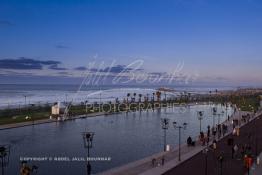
153 98
158 94
128 95
134 94
140 96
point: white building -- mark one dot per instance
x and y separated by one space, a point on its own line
57 109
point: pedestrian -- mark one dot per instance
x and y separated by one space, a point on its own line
153 162
214 144
238 131
223 130
213 132
242 151
189 141
208 131
235 150
234 131
163 160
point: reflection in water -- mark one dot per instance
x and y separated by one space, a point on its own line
123 137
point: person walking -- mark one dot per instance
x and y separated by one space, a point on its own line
215 144
208 131
153 162
163 161
235 150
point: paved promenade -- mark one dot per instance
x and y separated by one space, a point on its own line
229 165
145 167
256 168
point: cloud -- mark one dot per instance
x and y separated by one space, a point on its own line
61 46
113 69
81 68
5 23
55 67
157 73
23 63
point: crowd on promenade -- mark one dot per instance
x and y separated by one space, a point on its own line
239 148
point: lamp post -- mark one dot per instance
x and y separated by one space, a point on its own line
88 143
165 125
214 109
100 98
66 95
239 116
218 120
179 127
86 103
205 152
219 128
226 111
220 159
256 148
25 100
210 97
4 156
200 115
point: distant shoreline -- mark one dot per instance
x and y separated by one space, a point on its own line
44 121
41 116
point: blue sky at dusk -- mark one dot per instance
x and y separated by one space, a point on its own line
219 40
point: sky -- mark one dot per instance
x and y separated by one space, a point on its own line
216 41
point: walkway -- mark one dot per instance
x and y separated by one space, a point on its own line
229 165
145 167
256 168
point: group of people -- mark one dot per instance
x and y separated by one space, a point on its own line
219 130
190 142
156 163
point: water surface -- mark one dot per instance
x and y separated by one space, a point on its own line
123 137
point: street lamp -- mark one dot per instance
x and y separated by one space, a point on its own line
66 98
179 127
226 111
165 125
220 159
218 120
205 152
256 148
4 156
200 117
88 143
214 109
219 129
25 100
86 103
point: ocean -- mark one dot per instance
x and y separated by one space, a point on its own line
16 95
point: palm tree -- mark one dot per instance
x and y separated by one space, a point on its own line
189 96
158 94
140 96
181 97
210 92
134 94
153 98
127 95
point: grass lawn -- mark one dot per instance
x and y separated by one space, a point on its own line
8 116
